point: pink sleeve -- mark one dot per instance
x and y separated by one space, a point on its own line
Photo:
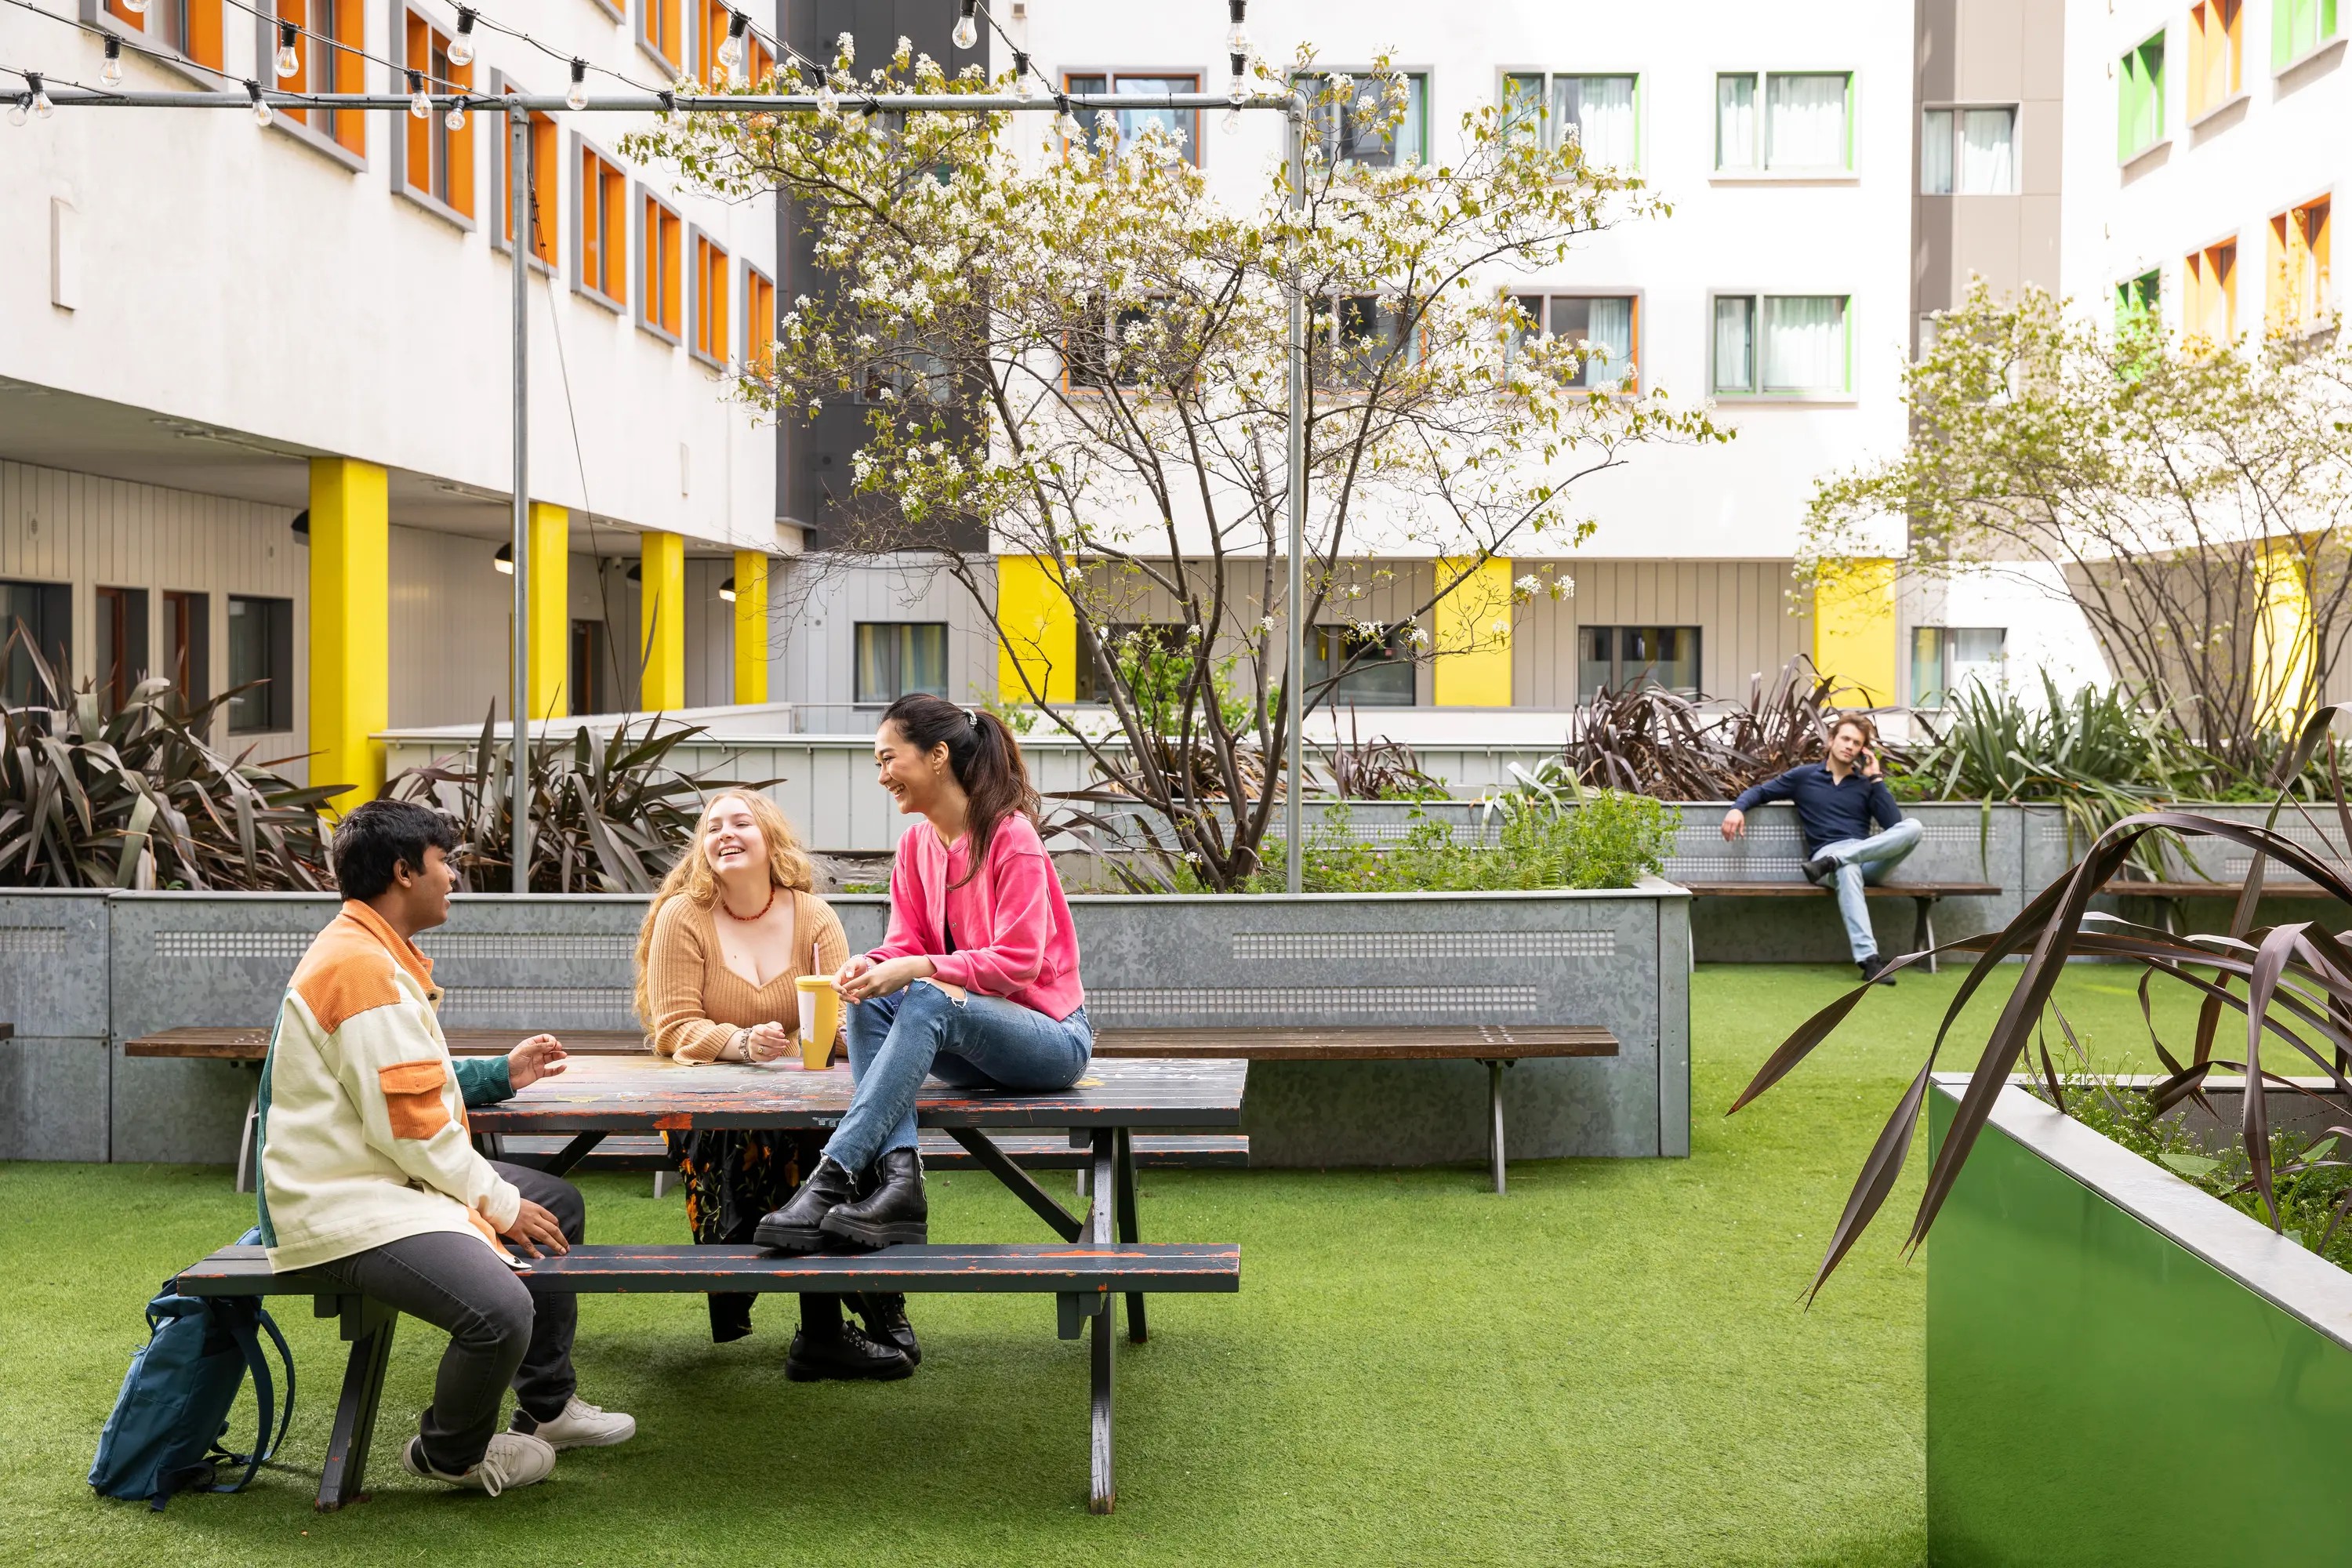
1017 951
904 939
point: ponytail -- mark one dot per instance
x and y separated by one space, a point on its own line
984 756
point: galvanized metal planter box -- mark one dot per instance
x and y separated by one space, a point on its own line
55 1072
2103 1342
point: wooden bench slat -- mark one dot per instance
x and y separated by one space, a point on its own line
1033 1150
1872 889
1386 1042
1097 1268
2298 888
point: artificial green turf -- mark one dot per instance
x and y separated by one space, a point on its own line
1611 1365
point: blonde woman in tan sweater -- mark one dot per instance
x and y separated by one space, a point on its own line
731 928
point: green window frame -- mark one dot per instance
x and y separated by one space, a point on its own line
2139 98
1744 139
2297 27
2138 299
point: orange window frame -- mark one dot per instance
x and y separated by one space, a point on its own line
425 48
2210 307
603 227
711 34
2216 53
336 66
2299 284
657 28
662 266
761 61
711 264
201 21
759 321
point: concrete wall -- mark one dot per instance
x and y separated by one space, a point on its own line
54 1074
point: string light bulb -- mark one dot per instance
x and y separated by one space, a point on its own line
461 48
575 97
17 106
1023 87
42 107
1237 36
109 75
136 7
261 115
289 62
967 27
730 48
420 102
457 121
1238 89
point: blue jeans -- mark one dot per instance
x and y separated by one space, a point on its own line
1861 860
980 1042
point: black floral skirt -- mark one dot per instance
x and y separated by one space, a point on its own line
732 1179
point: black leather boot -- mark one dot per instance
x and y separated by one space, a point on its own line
886 1319
795 1226
896 1215
828 1350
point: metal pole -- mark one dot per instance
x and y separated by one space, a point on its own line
1294 677
519 760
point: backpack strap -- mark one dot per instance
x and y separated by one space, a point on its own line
263 1445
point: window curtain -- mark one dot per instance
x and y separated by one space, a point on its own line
1735 340
1523 105
1805 122
1936 152
1987 153
1610 328
1804 343
1600 110
1735 122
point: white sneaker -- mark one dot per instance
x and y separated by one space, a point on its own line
514 1459
582 1425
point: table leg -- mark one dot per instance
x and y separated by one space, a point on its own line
246 1176
572 1154
1923 933
1495 1122
1104 1493
368 1326
1129 1230
1023 1186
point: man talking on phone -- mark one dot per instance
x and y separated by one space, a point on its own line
1837 802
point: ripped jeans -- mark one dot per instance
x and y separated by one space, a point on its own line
1855 861
980 1042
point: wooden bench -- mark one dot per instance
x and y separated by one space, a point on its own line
2172 895
1082 1277
1497 1045
246 1045
1924 895
1031 1151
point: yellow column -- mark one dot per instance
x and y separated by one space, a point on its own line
1472 664
2284 650
1040 632
661 620
551 611
1854 629
351 662
750 626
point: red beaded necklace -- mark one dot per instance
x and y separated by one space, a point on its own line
747 919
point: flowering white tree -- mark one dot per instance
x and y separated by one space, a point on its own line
1085 352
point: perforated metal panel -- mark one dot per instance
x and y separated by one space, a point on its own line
1310 1003
1468 835
1393 946
289 945
494 945
1735 869
32 942
580 1006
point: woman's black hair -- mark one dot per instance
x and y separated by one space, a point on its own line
984 755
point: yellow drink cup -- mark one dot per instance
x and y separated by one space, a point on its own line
820 1001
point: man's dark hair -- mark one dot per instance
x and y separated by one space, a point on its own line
375 836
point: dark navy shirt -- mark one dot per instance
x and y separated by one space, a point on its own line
1826 809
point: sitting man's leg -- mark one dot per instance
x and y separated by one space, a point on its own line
546 1406
1887 848
455 1282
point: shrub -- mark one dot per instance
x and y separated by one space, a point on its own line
1606 840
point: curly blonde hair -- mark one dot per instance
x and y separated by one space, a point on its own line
692 879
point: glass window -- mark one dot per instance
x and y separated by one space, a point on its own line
1785 345
1734 121
1355 138
2138 299
2140 99
1184 123
437 161
590 683
1967 152
121 628
260 665
1805 121
2299 27
895 658
40 613
1604 321
1380 677
2214 54
2298 283
188 645
1946 659
1370 332
1130 646
1617 659
1598 110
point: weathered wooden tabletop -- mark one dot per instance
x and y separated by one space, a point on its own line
648 1094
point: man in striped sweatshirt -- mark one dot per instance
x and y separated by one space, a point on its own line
368 1175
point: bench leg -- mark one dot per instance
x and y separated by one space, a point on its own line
1923 933
1129 1230
1495 1123
368 1326
572 1154
1103 1493
246 1176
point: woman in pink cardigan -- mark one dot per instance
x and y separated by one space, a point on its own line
976 983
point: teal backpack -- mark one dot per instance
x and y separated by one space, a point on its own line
164 1433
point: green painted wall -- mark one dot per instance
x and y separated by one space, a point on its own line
2098 1394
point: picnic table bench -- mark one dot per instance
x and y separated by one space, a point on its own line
1924 895
1495 1045
1100 1254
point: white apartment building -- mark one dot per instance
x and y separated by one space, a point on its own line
255 388
1780 291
